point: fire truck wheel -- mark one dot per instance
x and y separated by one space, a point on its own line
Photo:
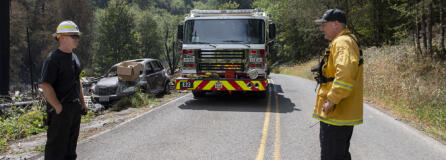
198 94
262 94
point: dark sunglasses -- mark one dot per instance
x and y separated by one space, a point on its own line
74 36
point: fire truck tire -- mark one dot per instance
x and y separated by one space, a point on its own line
198 94
262 94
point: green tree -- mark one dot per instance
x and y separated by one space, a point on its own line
150 38
298 37
229 5
116 38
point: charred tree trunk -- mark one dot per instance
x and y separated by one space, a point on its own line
347 11
374 21
169 62
429 30
417 31
379 21
173 66
30 62
442 26
424 27
4 47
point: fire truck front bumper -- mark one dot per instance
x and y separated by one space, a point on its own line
221 85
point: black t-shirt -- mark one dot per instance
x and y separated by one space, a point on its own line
62 70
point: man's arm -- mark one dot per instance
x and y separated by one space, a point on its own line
81 96
346 60
50 95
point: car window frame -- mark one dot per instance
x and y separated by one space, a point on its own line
147 67
156 67
160 65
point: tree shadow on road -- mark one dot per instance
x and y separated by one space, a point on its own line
242 102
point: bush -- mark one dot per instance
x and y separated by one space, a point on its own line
139 99
19 123
414 86
86 118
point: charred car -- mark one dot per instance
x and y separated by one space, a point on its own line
152 79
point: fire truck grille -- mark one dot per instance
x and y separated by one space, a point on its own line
221 54
221 67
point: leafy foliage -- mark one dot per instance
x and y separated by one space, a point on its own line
116 37
139 99
20 123
375 22
229 5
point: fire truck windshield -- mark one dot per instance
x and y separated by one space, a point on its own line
224 31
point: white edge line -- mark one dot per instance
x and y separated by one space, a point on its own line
117 126
420 134
123 123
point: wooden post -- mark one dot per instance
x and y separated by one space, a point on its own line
4 47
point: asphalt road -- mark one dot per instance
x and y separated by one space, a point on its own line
243 128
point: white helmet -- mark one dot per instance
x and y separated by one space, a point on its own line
67 27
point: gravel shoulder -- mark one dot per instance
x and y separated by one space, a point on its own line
32 147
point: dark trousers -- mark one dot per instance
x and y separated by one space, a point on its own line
335 141
63 131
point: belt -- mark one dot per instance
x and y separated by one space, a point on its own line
74 100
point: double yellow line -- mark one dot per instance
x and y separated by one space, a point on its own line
276 152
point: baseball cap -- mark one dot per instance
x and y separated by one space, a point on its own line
333 15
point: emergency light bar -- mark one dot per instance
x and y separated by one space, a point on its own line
238 12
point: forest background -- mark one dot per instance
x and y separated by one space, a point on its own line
403 42
117 30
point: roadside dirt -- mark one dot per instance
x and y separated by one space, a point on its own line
32 147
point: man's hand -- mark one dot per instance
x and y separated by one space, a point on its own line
84 106
327 106
58 109
84 109
50 96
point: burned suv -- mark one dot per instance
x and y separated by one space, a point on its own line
152 79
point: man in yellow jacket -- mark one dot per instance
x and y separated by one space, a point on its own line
339 104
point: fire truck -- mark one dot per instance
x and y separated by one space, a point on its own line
225 51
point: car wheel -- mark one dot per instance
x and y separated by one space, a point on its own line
166 89
147 89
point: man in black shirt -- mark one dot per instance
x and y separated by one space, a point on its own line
63 92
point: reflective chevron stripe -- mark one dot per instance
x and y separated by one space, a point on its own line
338 122
344 85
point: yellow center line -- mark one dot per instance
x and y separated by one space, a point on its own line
276 153
261 151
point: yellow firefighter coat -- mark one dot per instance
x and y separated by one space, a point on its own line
347 88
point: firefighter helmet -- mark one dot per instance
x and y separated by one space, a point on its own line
67 27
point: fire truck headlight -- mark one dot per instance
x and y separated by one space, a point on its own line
253 73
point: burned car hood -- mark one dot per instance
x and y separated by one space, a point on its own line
108 82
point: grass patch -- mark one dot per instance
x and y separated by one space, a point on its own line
21 122
413 86
87 118
40 148
139 99
299 69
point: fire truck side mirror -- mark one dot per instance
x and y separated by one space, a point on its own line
180 32
272 31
